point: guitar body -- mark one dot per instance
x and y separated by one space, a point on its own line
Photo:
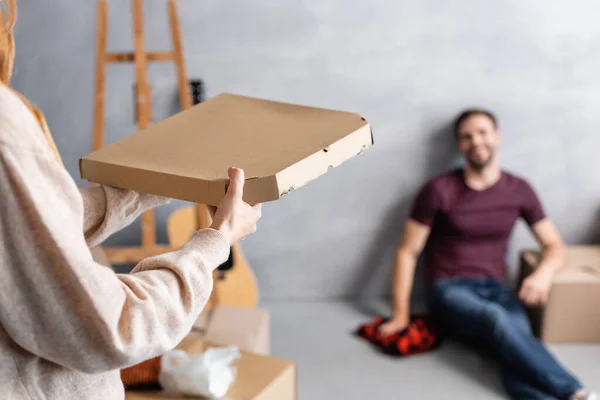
235 283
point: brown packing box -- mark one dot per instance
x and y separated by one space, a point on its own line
280 146
571 315
258 377
99 256
248 328
202 322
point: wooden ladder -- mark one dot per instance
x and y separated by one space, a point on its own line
143 107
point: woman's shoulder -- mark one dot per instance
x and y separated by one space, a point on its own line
18 126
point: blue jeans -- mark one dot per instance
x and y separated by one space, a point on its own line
486 314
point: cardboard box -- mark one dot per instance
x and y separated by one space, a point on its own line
248 328
258 377
280 146
202 322
571 315
99 256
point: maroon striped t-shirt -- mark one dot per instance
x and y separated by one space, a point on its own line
470 229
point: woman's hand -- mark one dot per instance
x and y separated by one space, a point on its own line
233 217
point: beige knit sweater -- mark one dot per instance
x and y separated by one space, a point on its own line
67 324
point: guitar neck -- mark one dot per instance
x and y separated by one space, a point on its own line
203 218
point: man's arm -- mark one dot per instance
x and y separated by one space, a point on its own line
412 244
553 247
422 216
536 287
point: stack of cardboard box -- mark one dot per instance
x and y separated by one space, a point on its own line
248 328
258 376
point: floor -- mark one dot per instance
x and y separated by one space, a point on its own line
333 364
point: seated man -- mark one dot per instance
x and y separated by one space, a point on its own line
466 217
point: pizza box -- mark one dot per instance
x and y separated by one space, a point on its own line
280 146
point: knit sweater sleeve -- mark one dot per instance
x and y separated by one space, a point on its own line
107 210
57 303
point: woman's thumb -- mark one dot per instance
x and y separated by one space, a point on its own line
236 182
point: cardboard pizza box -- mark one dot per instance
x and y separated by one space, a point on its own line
280 146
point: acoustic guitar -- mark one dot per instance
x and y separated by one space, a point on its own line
234 280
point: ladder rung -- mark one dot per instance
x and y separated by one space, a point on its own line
130 57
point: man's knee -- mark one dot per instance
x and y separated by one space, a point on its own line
458 310
498 321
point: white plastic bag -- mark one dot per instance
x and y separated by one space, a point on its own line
209 374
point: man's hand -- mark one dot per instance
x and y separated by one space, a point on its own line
393 326
536 288
235 218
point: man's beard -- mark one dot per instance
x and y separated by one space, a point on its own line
480 165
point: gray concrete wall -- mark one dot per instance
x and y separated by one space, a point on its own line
407 66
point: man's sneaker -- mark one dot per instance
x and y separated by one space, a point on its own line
587 396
